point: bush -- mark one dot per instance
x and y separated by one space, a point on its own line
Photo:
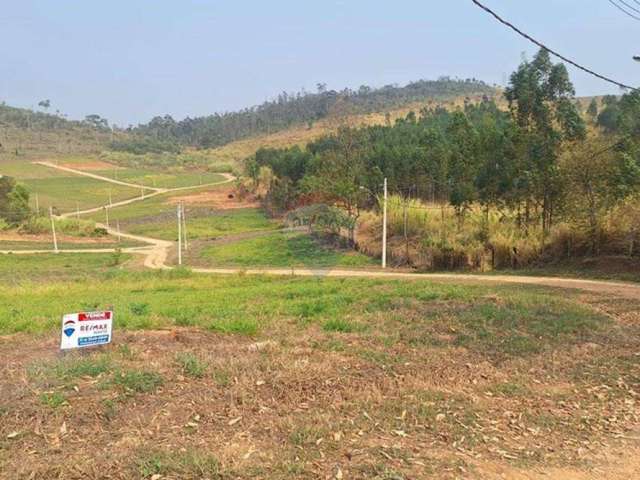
220 168
35 226
142 145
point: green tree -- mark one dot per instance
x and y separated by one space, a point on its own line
540 98
14 201
592 110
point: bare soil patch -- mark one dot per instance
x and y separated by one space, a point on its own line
218 199
90 165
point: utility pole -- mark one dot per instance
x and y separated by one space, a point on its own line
106 212
179 235
118 229
37 206
184 228
53 230
110 199
384 227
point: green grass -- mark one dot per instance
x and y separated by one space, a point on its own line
62 190
63 373
283 250
202 224
191 365
526 321
161 178
73 368
178 464
55 267
339 325
110 242
137 381
54 399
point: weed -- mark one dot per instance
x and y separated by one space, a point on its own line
135 381
109 409
340 325
509 389
189 464
305 436
116 257
54 399
222 377
191 365
125 352
242 326
139 308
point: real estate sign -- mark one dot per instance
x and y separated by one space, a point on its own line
86 329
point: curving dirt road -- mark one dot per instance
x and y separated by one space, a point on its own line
157 252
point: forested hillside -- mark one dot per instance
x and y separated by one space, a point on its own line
28 132
292 109
537 176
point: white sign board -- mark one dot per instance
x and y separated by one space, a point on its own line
86 329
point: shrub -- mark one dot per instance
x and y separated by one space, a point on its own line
36 226
191 365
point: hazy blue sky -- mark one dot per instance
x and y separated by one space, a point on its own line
129 60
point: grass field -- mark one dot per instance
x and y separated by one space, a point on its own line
282 249
160 179
204 224
281 377
156 217
111 243
45 268
64 191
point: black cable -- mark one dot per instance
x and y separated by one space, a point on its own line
541 45
623 10
629 6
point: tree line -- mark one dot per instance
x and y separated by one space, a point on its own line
541 160
296 108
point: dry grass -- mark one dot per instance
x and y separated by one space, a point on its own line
397 400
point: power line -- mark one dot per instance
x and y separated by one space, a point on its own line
629 6
619 7
541 45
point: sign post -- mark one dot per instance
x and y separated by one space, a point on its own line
86 329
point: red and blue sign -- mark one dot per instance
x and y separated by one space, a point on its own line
86 329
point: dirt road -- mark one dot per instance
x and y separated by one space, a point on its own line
157 252
621 289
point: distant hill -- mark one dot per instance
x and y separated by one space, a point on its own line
24 132
297 109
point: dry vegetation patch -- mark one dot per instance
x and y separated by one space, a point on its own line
398 397
89 165
224 198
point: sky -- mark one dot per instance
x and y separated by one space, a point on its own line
129 60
